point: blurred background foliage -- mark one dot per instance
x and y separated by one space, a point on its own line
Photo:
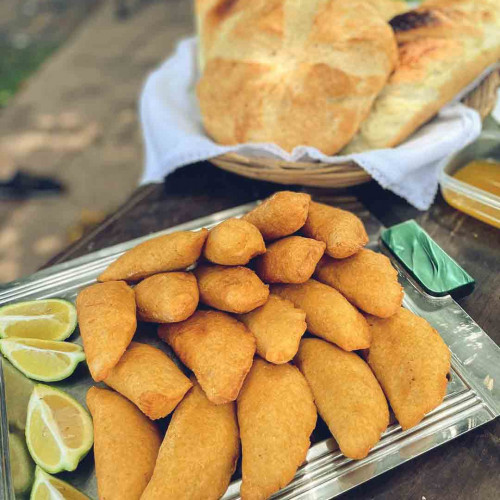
31 30
16 64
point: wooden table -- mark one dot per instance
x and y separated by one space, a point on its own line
467 467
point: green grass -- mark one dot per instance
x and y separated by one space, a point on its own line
16 65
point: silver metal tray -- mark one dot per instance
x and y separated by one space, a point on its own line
473 395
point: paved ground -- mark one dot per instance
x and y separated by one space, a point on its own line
76 120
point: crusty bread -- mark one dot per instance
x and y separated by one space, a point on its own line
443 46
291 72
389 8
209 14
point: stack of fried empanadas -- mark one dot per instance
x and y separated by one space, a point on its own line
268 346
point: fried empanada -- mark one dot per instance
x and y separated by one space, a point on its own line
347 394
126 445
367 279
107 320
290 260
276 415
233 243
278 327
411 362
343 232
232 289
171 252
280 215
199 452
167 297
328 314
217 348
150 379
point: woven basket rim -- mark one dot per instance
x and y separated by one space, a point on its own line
347 173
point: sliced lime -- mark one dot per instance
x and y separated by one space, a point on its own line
59 430
18 389
48 319
44 360
47 487
22 467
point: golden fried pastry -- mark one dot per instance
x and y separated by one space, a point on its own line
328 314
199 452
217 348
343 232
106 316
347 394
367 279
411 362
171 252
280 215
126 445
233 243
167 297
290 260
150 379
276 415
232 289
278 327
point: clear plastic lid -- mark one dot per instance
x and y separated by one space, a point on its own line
476 202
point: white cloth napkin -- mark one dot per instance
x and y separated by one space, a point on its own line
174 136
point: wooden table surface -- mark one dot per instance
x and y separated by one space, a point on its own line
465 468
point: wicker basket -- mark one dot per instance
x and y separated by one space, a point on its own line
342 175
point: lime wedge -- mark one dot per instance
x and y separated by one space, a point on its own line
48 319
21 465
48 487
18 389
45 360
58 429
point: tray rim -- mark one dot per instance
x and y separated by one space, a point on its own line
107 254
485 409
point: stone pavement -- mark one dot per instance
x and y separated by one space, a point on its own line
76 120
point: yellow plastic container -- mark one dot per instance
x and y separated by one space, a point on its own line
464 193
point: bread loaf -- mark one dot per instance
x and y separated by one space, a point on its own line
443 46
389 8
209 15
291 72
